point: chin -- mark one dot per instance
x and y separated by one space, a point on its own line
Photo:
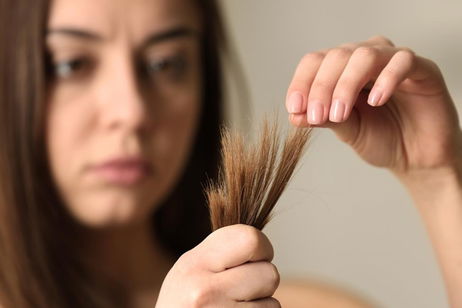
111 209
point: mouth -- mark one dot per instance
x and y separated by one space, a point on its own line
123 171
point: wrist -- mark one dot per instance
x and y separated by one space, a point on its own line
437 194
444 167
431 178
443 172
433 186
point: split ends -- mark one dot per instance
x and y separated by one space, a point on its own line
253 177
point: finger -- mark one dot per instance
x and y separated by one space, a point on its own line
269 302
394 73
301 82
364 65
249 281
233 245
376 41
347 131
299 120
296 99
380 40
320 93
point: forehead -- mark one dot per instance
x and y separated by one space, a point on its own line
136 18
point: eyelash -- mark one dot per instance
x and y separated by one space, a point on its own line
174 67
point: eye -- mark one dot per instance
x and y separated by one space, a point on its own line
173 67
69 68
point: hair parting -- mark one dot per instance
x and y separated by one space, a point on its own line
252 178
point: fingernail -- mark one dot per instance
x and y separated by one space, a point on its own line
315 113
295 103
374 97
337 111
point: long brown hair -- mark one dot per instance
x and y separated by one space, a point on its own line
38 238
253 177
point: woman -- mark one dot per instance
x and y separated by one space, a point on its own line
110 113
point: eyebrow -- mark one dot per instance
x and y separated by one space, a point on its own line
155 38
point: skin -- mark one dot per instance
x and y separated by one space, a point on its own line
105 102
122 109
102 105
406 123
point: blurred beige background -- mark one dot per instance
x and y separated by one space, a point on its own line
340 220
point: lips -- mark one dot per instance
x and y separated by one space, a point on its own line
123 171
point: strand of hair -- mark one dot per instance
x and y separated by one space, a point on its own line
252 178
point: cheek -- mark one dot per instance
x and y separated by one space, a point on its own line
68 144
172 140
73 142
66 139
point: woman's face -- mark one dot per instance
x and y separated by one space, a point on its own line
124 102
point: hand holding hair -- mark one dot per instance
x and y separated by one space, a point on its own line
394 109
232 266
389 104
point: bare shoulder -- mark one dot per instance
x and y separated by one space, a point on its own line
307 293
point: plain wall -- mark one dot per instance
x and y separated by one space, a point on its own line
341 220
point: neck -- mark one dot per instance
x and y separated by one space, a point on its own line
130 256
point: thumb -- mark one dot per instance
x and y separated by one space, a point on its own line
348 130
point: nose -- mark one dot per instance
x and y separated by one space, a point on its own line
122 105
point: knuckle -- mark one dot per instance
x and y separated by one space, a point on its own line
407 53
432 64
185 263
186 255
313 57
349 46
367 51
201 295
185 258
383 39
250 237
339 53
